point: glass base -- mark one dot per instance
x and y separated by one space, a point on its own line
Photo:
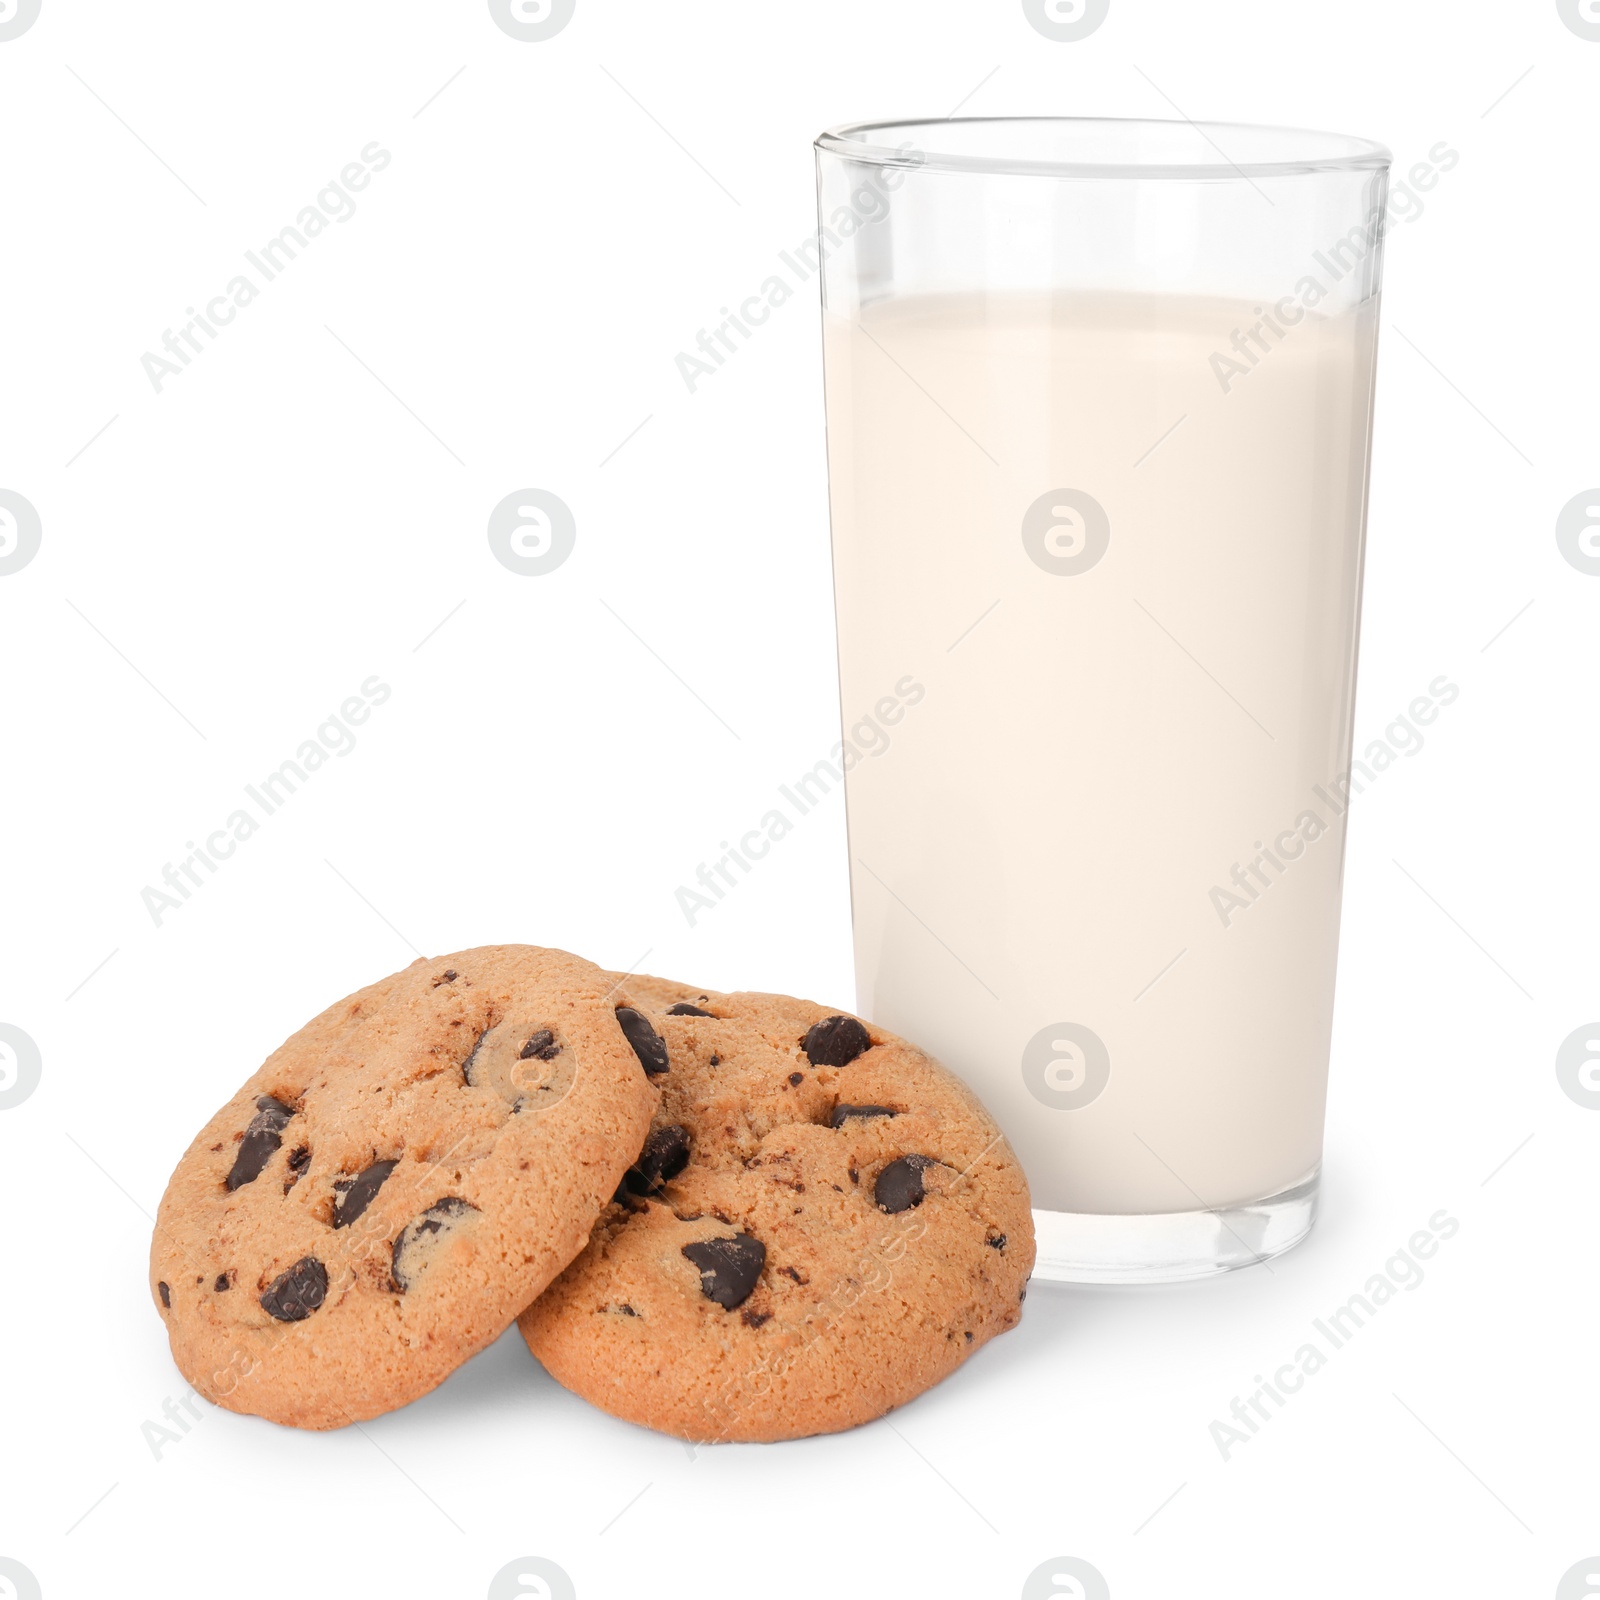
1169 1246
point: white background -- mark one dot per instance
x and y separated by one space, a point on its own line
223 563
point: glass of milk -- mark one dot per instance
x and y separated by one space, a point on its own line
1099 403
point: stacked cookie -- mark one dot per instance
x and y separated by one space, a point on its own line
722 1216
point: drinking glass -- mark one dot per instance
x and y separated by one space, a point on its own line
1099 404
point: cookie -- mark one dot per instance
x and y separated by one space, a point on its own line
398 1181
822 1223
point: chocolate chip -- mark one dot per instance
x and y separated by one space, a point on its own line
648 1045
899 1185
754 1319
790 1272
729 1268
716 1061
223 1282
684 1009
996 1241
296 1165
969 1336
166 1295
358 1194
472 1055
665 1155
446 977
836 1041
796 1079
293 1295
541 1047
436 1217
843 1113
260 1142
411 1251
627 1310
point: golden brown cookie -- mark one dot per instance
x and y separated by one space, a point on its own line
398 1180
823 1223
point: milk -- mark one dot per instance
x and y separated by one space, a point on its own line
1118 539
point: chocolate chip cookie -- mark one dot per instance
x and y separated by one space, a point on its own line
822 1223
398 1180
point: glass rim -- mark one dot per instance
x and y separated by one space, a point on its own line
1295 152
